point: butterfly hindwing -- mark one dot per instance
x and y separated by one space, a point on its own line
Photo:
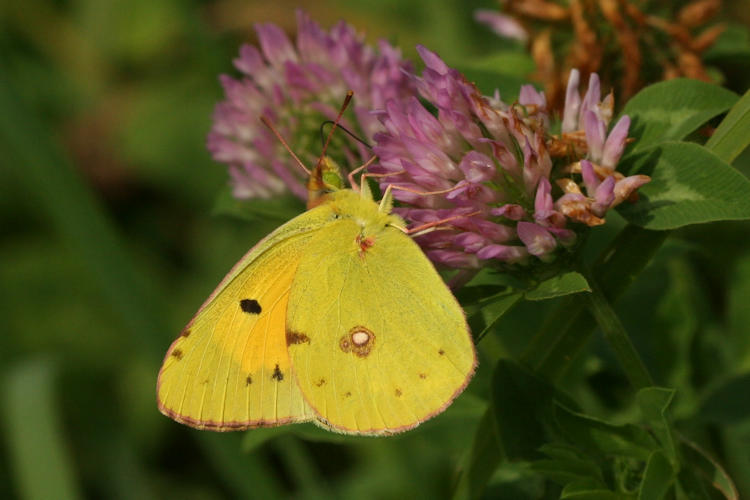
386 344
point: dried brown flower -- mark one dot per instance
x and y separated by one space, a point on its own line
630 43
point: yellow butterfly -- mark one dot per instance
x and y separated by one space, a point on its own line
336 317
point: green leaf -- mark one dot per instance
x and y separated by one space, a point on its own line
482 461
569 326
490 311
597 436
278 208
567 464
491 277
589 490
562 284
700 467
658 477
617 338
689 185
727 403
654 402
738 313
732 135
670 110
521 403
38 453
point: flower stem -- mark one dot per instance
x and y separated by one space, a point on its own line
617 337
569 326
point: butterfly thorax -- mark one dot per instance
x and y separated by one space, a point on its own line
364 212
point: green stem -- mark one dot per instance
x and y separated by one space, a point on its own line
617 337
570 325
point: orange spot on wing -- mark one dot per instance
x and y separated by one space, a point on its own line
296 338
364 244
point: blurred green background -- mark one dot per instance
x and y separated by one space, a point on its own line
109 245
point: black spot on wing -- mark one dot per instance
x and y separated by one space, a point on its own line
177 353
250 306
248 380
277 374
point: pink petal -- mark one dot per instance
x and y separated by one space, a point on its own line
530 96
615 143
509 211
502 25
453 258
595 132
538 240
543 201
566 237
572 103
275 45
593 96
477 167
590 179
249 61
625 187
506 253
471 242
432 60
604 196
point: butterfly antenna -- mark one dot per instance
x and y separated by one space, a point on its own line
349 132
268 124
347 100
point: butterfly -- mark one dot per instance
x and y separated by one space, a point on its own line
337 317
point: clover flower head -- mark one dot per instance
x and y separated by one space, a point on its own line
298 86
513 193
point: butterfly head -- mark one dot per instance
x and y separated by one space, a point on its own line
324 179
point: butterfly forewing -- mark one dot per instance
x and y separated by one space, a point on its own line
230 368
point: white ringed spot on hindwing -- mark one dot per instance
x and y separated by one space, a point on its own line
359 340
